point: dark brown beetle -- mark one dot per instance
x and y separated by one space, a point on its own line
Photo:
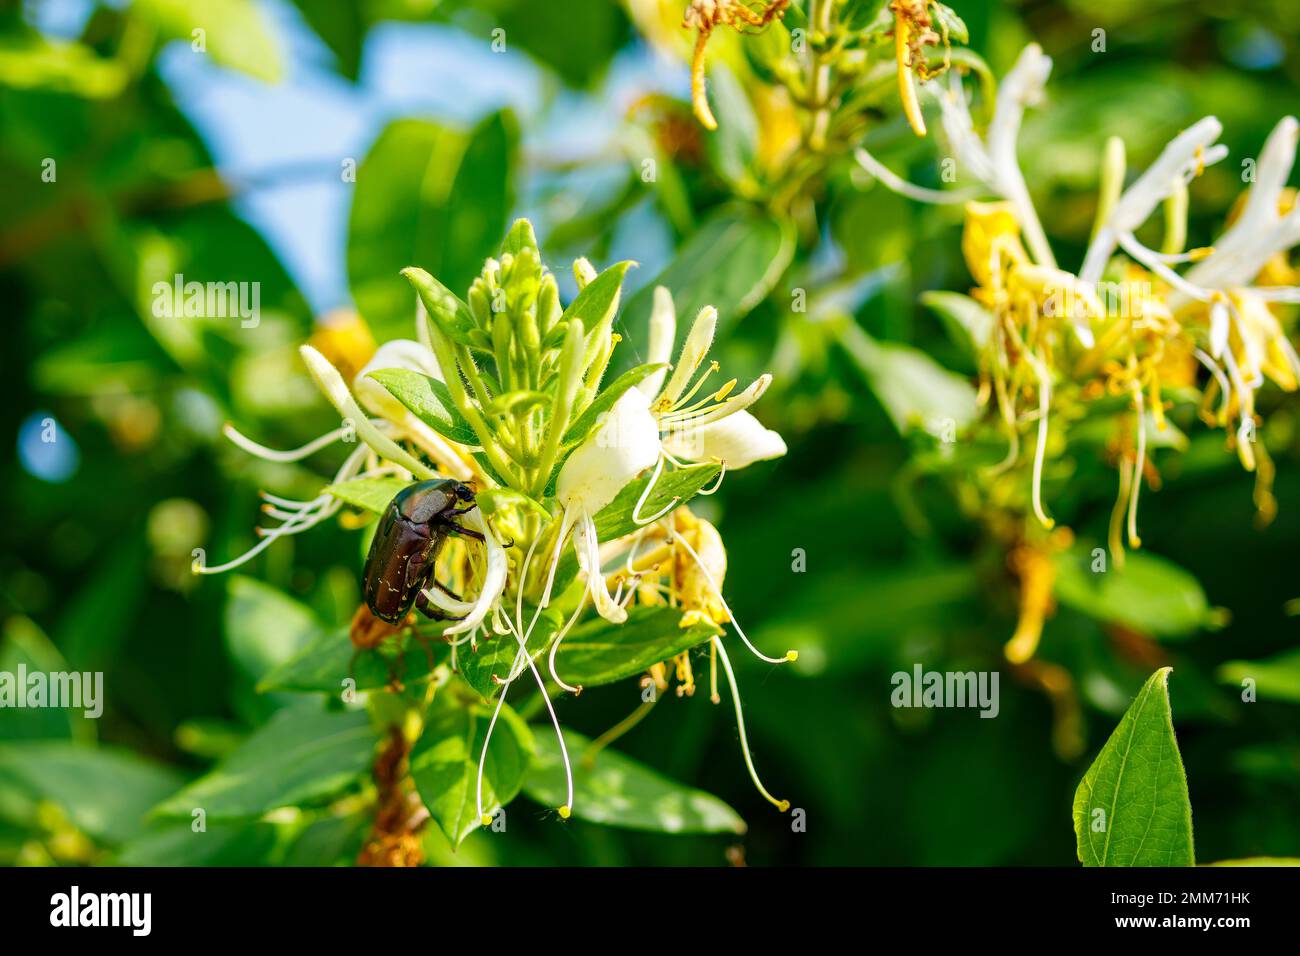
405 548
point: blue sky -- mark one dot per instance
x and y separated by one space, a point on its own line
314 119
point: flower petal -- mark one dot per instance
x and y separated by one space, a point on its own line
494 576
663 330
625 444
588 549
697 346
740 439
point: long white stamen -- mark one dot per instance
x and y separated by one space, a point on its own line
567 809
1224 388
895 183
270 454
782 805
636 510
487 739
717 592
555 646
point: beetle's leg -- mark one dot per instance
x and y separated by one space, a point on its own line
465 532
428 610
445 590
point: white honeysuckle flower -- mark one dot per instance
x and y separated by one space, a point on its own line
992 161
1178 163
1261 231
624 445
716 427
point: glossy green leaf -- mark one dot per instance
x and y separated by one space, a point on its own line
1275 678
600 652
618 791
967 323
105 791
1132 807
430 196
606 400
445 760
429 400
1151 595
264 626
484 668
915 390
369 494
324 665
303 755
236 33
599 300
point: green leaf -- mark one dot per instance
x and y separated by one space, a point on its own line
600 652
444 765
177 843
264 626
618 791
236 34
23 644
483 668
1276 677
1132 807
303 755
731 262
599 300
606 400
324 664
105 791
429 400
430 196
967 322
1151 595
369 494
733 146
914 389
615 519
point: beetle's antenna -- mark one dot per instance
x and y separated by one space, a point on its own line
717 592
782 805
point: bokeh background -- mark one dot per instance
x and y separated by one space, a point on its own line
234 164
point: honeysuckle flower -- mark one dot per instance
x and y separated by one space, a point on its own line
691 428
992 161
1219 311
620 449
685 565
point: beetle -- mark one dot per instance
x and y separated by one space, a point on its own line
406 544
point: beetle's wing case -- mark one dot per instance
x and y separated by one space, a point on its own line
386 591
